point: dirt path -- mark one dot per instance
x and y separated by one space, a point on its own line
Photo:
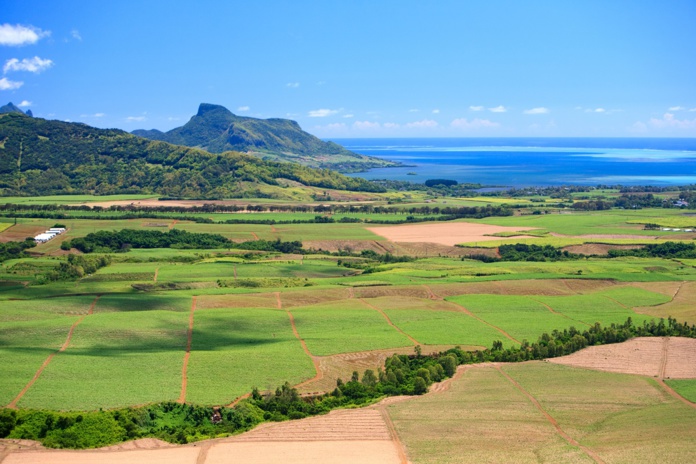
469 313
13 403
256 237
351 293
663 357
379 310
550 418
560 314
400 449
431 294
315 361
678 290
173 223
154 279
187 355
616 301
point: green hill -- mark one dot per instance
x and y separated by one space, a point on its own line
216 129
45 157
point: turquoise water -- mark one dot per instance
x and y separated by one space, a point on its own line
526 162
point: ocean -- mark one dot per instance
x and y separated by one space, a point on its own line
522 162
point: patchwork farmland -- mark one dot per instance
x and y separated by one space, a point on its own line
208 327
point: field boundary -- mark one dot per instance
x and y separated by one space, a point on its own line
550 418
187 355
413 340
47 361
469 313
315 362
558 312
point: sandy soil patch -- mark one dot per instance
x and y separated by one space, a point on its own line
599 249
673 357
327 452
445 234
180 455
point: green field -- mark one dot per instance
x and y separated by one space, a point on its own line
485 418
130 349
234 350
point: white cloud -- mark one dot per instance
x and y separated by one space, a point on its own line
463 123
95 115
436 111
692 110
292 85
498 109
135 118
413 110
676 108
243 108
424 124
669 121
76 34
173 118
596 110
391 125
322 113
6 84
366 125
18 35
24 104
34 65
540 110
476 108
349 115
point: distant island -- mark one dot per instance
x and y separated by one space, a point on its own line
216 129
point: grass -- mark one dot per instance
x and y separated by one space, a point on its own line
519 316
234 350
685 387
114 360
436 322
483 417
345 327
24 346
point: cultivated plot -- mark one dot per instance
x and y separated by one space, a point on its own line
115 359
234 350
345 326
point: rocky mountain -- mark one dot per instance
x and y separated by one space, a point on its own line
12 108
216 129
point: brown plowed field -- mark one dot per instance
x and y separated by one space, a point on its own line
19 232
342 365
643 356
599 249
446 233
681 307
338 425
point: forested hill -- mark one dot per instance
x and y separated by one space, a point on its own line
45 157
216 129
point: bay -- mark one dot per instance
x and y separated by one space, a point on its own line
521 162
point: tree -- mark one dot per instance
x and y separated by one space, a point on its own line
369 379
419 386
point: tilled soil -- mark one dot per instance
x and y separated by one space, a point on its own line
672 357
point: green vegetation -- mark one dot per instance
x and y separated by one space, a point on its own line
43 157
685 387
215 129
123 240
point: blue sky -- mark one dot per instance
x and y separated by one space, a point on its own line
360 68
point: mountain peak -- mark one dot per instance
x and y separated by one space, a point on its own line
12 108
204 108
